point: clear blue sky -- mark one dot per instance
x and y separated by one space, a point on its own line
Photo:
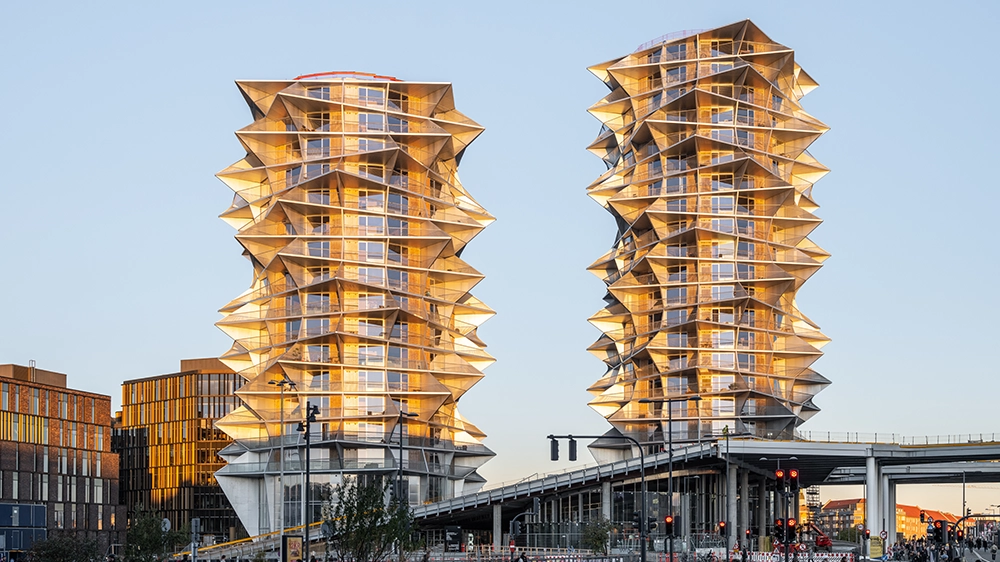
117 115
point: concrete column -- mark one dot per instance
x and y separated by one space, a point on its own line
744 505
731 513
890 485
762 518
606 500
497 527
872 516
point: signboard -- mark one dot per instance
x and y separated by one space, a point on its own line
453 539
884 534
860 527
291 548
512 547
875 549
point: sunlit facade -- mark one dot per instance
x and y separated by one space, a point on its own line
169 446
349 208
55 451
710 184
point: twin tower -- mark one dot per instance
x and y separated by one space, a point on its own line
349 207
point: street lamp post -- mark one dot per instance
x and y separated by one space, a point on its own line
782 507
281 384
304 426
670 453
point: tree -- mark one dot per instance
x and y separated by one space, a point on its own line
64 548
849 534
363 525
146 539
595 535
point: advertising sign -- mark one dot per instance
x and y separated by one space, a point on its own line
291 548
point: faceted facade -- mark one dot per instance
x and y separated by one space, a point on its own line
710 184
349 207
169 446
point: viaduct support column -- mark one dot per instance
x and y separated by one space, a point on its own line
762 518
606 500
744 508
497 527
731 513
872 517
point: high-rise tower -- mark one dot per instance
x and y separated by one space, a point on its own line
349 207
710 184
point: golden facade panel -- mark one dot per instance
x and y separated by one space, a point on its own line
710 181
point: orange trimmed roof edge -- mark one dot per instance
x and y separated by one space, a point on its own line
346 74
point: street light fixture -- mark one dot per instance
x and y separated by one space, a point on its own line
304 427
670 450
281 384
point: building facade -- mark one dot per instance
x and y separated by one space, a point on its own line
710 183
349 206
55 453
169 446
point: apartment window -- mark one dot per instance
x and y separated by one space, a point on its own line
677 205
5 397
397 253
34 401
676 184
371 251
723 339
745 116
745 271
721 182
677 340
318 224
722 114
317 303
371 171
371 355
724 225
722 135
318 248
318 196
677 273
367 301
717 67
372 327
371 122
316 326
317 273
676 74
745 138
400 331
676 295
397 125
723 361
722 292
319 120
676 52
398 381
747 362
398 227
722 382
369 145
398 203
318 92
370 225
15 484
722 249
318 148
723 315
719 157
677 316
722 271
371 96
398 279
371 380
318 353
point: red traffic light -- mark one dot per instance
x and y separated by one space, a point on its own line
668 519
791 522
937 523
794 473
868 533
779 523
747 532
779 474
722 525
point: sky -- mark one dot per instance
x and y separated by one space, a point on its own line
116 263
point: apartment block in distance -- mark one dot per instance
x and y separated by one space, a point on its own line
710 182
349 207
57 470
169 446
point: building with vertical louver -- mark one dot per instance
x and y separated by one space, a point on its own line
710 184
349 207
57 470
169 446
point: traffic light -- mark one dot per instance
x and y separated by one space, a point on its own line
668 525
536 506
650 524
636 519
868 534
779 475
793 479
554 449
517 528
790 530
572 449
747 532
959 534
938 532
722 528
923 517
779 529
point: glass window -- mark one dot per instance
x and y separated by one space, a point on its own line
723 315
318 92
370 225
367 145
722 114
316 326
723 339
721 292
722 382
676 52
371 251
723 360
371 122
371 380
398 203
722 271
724 225
367 301
371 200
397 125
677 340
318 248
398 279
372 327
676 295
318 196
371 355
318 148
371 96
